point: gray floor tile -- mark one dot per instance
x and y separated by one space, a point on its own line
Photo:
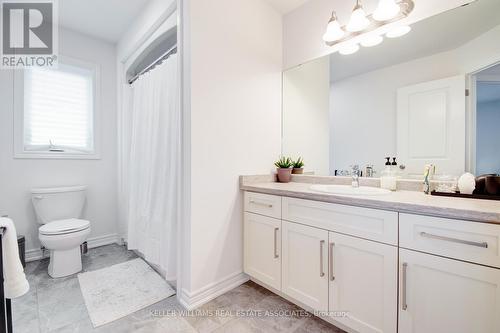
279 314
313 325
244 325
57 305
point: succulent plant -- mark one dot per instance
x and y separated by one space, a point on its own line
299 163
284 163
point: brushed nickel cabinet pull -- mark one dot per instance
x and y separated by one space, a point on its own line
330 254
276 255
261 203
454 240
321 268
404 305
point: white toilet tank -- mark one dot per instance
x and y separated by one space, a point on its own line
58 203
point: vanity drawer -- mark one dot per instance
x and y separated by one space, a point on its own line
372 224
463 240
263 204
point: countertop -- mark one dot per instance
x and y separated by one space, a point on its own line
486 211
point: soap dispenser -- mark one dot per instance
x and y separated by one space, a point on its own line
388 178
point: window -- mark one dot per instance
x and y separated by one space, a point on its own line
58 112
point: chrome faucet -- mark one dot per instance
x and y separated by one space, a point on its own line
355 175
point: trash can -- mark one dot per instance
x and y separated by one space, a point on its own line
21 244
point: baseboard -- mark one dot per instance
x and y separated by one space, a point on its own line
192 300
103 240
36 254
33 254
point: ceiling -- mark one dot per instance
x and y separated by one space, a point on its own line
286 6
436 34
104 19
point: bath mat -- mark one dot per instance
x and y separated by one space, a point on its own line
117 291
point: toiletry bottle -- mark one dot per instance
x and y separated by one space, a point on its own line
428 173
388 179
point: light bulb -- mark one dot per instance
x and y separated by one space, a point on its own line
398 31
334 31
386 10
358 20
349 48
371 40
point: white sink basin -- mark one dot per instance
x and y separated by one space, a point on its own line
349 190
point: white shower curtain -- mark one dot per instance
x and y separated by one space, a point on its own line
152 165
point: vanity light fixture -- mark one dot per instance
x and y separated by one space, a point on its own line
388 11
371 40
334 31
349 48
358 20
398 31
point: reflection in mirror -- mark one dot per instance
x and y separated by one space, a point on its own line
405 98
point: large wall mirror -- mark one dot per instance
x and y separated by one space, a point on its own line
429 97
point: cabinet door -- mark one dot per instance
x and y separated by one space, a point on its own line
262 249
447 296
363 282
305 265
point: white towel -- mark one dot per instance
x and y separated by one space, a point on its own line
15 283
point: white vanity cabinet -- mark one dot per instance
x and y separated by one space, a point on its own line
320 266
305 265
445 295
363 281
262 248
447 285
390 272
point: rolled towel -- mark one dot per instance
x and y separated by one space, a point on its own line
15 283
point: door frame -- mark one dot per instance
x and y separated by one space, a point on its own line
471 80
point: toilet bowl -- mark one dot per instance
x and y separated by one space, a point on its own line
62 231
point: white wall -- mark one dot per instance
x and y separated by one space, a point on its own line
363 107
232 104
306 114
304 27
18 176
488 138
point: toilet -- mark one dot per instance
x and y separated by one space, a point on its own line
58 210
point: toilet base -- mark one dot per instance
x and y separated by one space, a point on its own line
65 262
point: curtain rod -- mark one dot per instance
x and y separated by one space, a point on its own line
163 57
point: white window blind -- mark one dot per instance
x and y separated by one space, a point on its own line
58 109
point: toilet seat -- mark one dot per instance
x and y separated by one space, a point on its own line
60 227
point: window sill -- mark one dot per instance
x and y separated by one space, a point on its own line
56 155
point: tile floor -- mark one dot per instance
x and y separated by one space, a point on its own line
56 305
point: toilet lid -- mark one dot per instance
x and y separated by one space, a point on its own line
64 226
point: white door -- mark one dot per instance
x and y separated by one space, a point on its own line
363 281
447 296
262 249
431 126
305 265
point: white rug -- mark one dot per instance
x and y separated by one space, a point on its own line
117 291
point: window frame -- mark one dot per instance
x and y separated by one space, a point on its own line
19 129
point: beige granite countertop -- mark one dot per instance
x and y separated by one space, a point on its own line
415 202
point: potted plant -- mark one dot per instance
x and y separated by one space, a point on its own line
298 166
284 165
